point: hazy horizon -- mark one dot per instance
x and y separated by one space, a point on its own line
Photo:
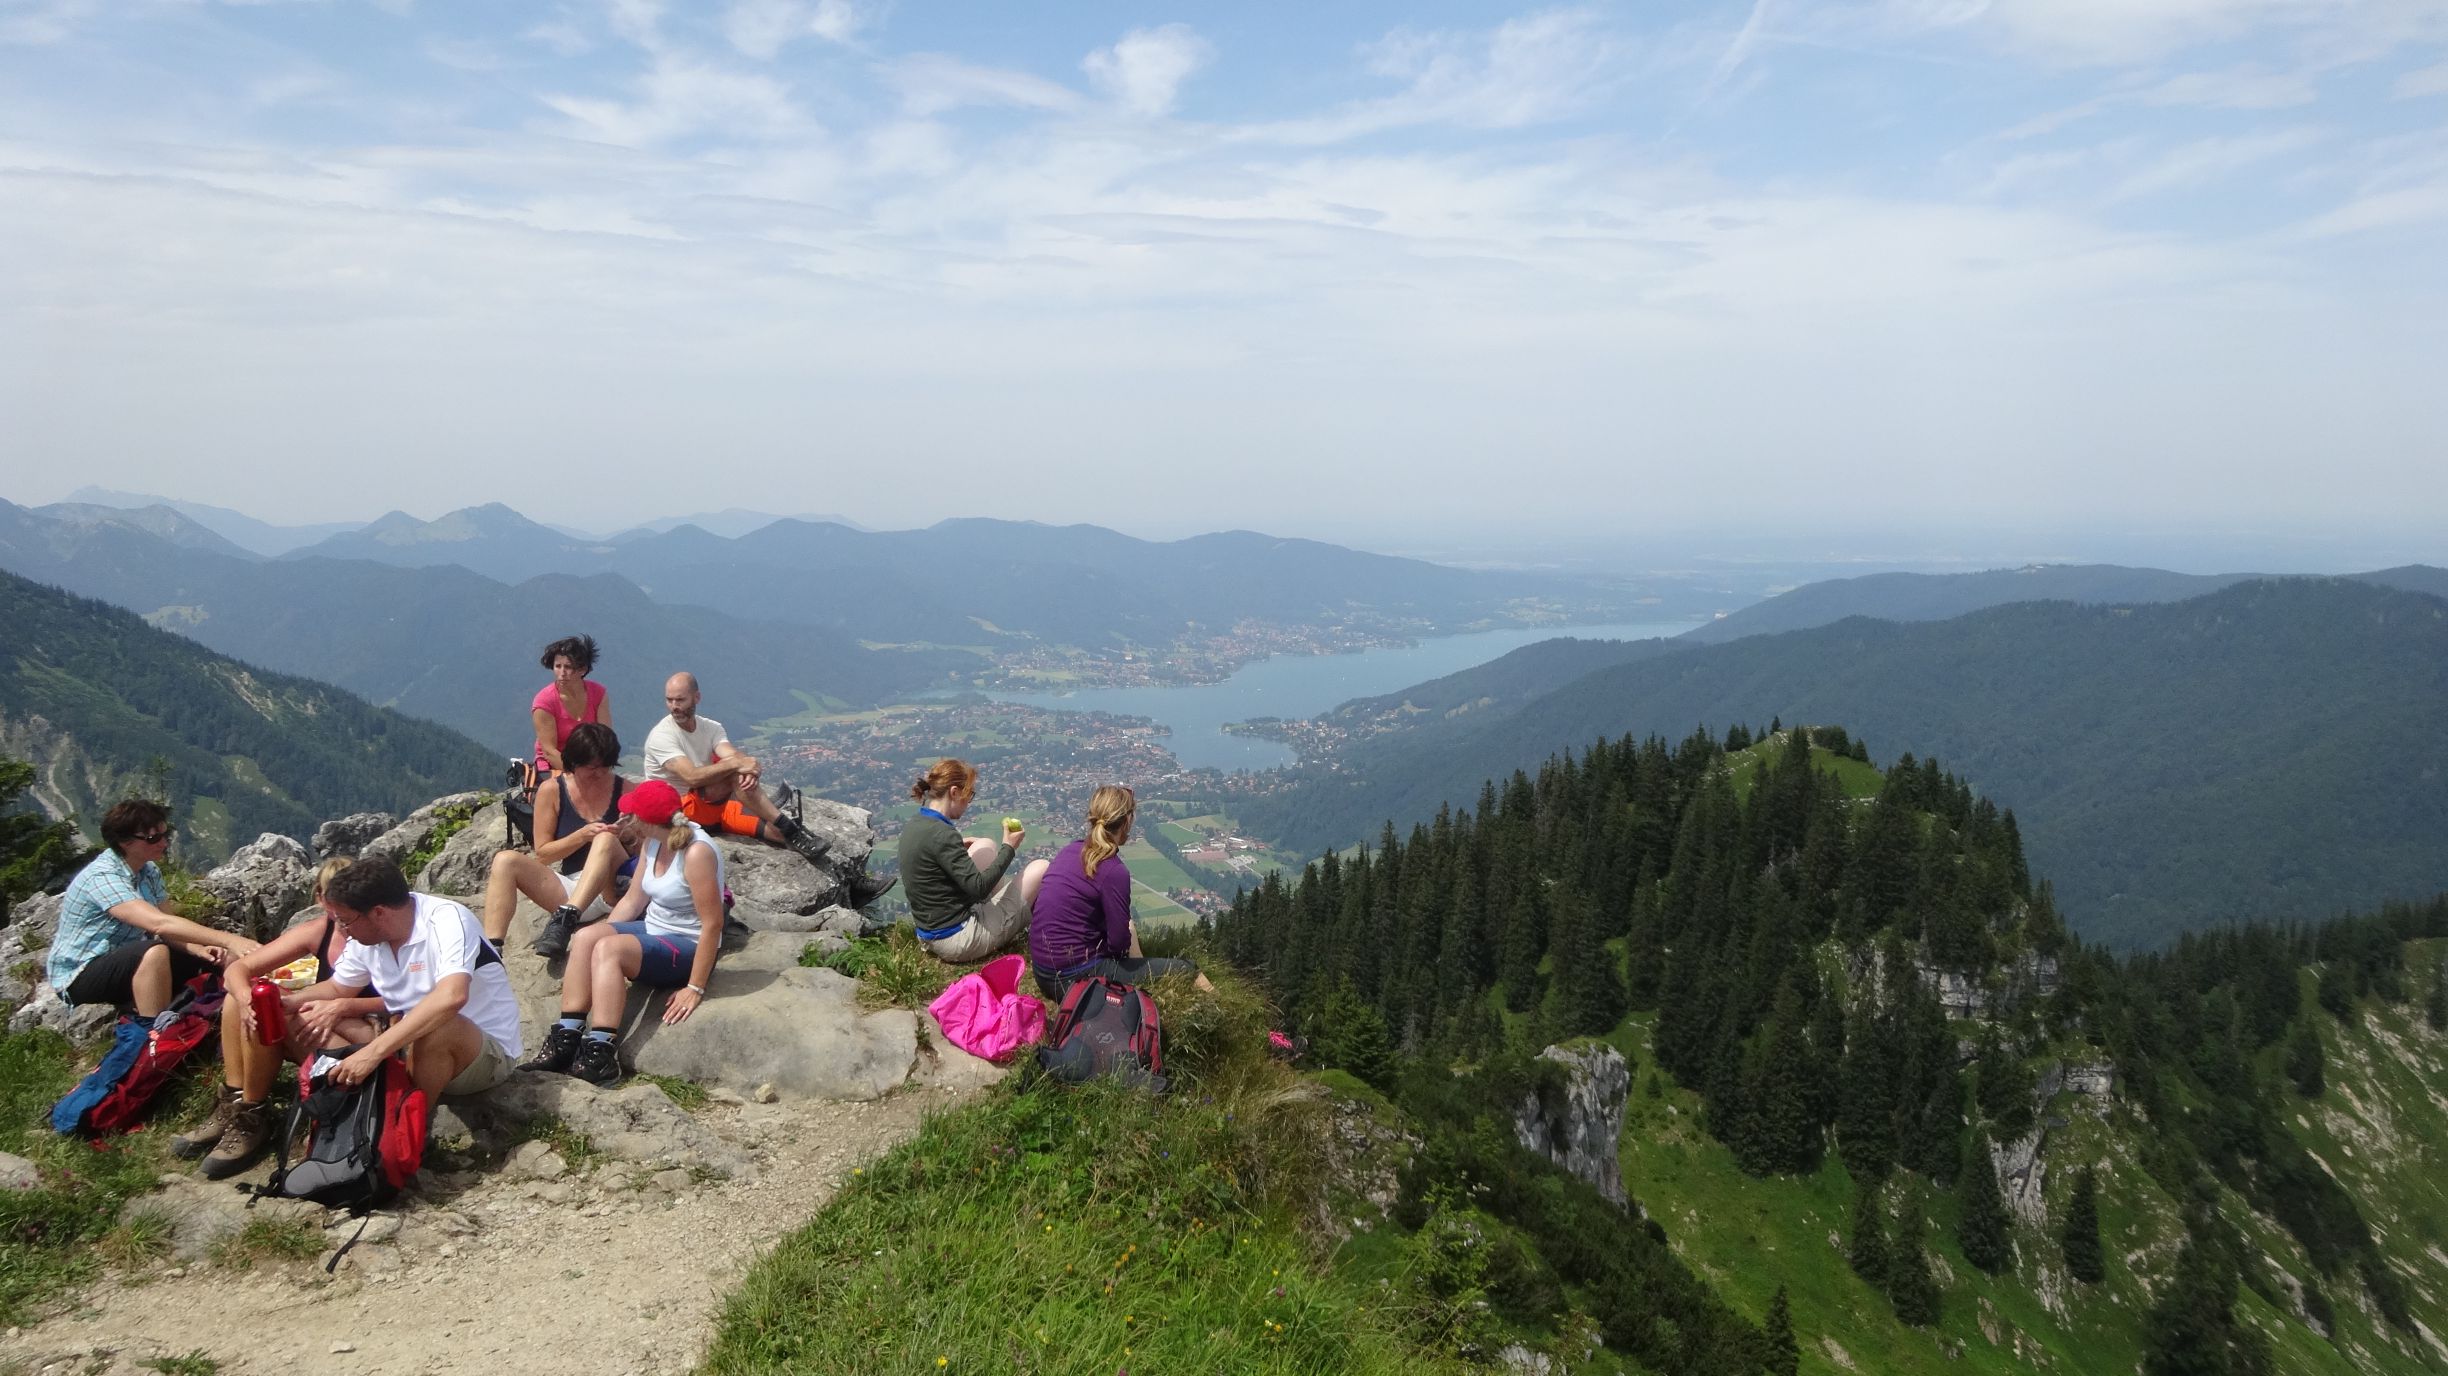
1371 273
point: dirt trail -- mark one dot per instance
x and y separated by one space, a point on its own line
604 1272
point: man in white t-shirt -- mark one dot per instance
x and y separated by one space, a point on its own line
451 1006
719 784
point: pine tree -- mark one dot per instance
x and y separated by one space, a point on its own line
1982 1228
1521 944
1868 1252
1910 1286
2304 1061
2192 1329
2437 1011
1589 988
2081 1235
1865 1095
2337 990
1781 1355
1352 1035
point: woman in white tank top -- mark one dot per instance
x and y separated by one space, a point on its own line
665 933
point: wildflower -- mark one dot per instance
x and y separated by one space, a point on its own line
943 1361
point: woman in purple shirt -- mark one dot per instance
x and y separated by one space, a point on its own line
1082 923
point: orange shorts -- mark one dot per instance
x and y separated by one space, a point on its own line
727 815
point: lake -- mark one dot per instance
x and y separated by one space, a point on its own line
1293 686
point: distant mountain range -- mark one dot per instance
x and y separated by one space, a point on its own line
2271 747
269 540
100 701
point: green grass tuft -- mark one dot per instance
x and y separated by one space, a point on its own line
688 1094
892 969
576 1149
194 1363
269 1239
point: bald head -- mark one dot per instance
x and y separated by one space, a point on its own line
680 697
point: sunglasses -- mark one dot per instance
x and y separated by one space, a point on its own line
151 838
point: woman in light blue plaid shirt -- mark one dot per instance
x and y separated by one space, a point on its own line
120 941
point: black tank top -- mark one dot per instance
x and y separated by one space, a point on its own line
571 821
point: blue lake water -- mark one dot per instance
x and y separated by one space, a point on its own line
1293 686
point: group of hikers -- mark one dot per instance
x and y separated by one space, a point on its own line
634 895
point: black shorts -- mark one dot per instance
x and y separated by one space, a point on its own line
111 976
1146 970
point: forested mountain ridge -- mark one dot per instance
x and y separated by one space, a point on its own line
1883 1103
456 647
2182 764
100 701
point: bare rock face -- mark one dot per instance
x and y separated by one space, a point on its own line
348 836
26 940
410 836
79 1023
1575 1119
777 884
466 860
261 885
635 1123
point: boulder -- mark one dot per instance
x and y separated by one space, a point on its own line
1575 1118
772 883
261 885
410 836
17 1173
949 1067
466 860
348 836
771 1021
45 1009
636 1123
834 919
24 944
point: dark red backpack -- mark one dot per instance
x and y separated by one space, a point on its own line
179 1029
1105 1027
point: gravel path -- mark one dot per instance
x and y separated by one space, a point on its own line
608 1272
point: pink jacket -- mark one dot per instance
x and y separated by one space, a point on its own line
985 1014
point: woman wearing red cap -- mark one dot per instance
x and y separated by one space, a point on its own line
665 933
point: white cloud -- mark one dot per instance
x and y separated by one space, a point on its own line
2125 32
2428 81
39 22
1143 72
2239 88
680 96
2204 161
1532 70
931 83
762 28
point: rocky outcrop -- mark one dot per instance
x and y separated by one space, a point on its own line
773 884
635 1123
403 841
465 861
347 837
1575 1115
24 944
260 886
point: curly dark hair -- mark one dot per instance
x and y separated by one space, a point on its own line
590 743
580 649
130 818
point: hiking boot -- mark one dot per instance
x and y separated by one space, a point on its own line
197 1140
598 1063
811 847
867 888
558 929
248 1136
560 1048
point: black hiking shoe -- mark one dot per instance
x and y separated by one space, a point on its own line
598 1063
867 888
560 1048
811 847
554 943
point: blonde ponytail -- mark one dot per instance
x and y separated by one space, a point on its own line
1110 810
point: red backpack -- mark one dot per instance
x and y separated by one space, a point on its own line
364 1142
179 1029
1106 1028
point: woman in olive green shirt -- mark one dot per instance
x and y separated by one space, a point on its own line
962 895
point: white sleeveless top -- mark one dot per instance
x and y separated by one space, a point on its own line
671 910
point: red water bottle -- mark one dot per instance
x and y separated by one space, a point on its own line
271 1020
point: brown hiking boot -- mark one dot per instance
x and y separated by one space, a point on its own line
247 1137
197 1140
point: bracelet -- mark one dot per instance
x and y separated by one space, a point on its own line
697 989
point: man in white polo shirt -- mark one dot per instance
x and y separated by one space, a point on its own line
452 1010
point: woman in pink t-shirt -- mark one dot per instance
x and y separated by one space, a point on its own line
568 700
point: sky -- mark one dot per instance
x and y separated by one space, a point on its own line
1421 274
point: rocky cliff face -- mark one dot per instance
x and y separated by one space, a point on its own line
1576 1117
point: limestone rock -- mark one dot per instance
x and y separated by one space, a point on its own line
261 885
46 1009
30 925
17 1173
348 836
635 1123
952 1068
799 1030
772 881
535 1161
404 840
1576 1120
466 860
202 1213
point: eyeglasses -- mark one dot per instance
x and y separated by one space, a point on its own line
151 838
343 921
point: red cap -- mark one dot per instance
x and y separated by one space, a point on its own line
652 802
